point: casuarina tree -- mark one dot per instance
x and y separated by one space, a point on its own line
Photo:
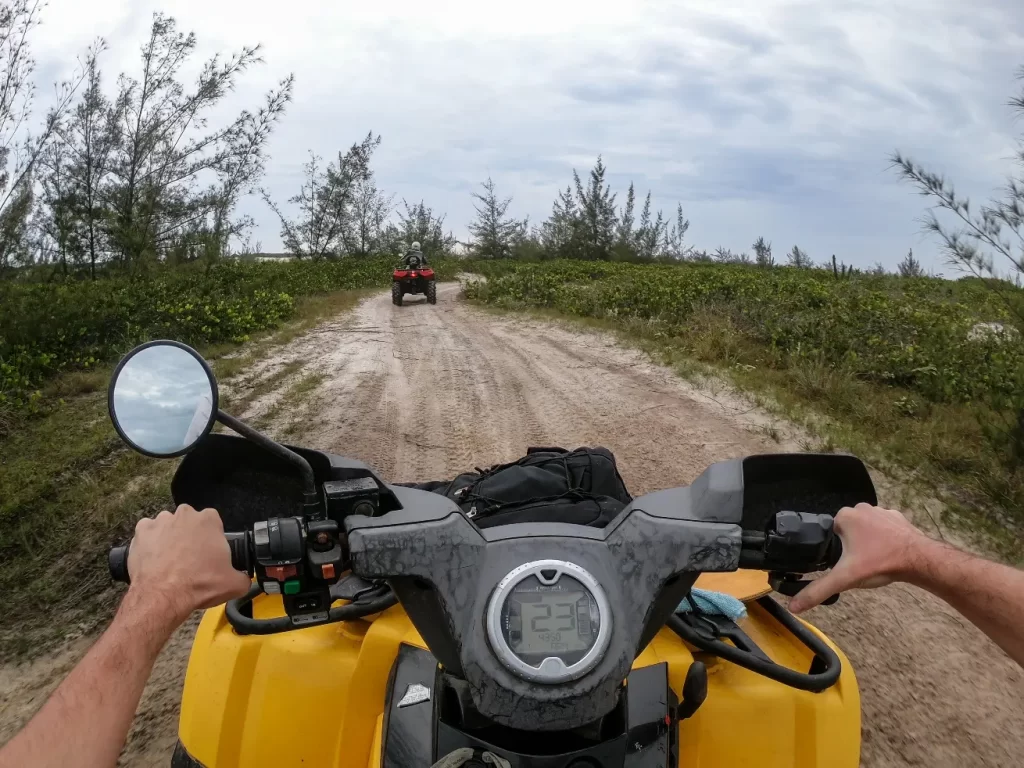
493 232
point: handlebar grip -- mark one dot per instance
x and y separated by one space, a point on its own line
835 550
238 543
117 562
241 553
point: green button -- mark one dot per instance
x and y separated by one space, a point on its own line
292 587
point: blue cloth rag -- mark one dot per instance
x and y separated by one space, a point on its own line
715 604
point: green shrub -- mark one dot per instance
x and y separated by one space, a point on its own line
49 328
910 333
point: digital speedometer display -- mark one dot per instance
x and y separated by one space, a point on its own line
545 621
548 622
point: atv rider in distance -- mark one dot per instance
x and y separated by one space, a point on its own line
413 276
414 258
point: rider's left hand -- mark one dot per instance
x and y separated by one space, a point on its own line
183 562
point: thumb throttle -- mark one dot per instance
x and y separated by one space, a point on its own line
791 585
238 543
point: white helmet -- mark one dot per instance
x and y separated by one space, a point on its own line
416 246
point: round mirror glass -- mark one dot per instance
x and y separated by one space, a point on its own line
163 399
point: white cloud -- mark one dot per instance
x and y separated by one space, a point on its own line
765 117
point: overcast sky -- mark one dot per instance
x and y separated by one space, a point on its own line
763 117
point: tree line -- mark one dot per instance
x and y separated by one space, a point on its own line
586 223
340 211
129 171
130 174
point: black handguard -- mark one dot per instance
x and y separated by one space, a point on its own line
241 560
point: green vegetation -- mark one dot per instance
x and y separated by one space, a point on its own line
53 327
890 363
584 224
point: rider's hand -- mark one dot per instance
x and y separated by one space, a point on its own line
182 562
879 546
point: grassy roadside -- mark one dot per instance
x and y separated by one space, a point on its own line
69 488
933 449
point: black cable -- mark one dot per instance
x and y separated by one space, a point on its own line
247 625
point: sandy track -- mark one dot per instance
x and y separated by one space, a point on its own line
424 392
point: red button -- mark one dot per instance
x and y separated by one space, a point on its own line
328 570
280 572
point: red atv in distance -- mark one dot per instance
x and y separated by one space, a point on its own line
413 277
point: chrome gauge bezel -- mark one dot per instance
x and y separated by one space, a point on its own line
552 670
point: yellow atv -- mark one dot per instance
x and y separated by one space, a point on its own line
386 627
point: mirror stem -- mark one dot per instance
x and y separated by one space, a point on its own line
312 499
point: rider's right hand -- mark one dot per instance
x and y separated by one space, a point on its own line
879 546
181 562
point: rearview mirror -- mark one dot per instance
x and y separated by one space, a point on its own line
163 399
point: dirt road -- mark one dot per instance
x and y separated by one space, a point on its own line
424 392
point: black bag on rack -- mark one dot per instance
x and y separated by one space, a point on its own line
547 485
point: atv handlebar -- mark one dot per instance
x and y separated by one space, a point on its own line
800 542
797 542
238 543
303 561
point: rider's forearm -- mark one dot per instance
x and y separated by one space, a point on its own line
987 593
85 721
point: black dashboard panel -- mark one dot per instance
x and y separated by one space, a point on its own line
444 570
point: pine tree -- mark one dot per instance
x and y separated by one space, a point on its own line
58 220
649 233
158 194
494 234
370 212
987 241
763 253
799 258
327 203
910 267
419 224
625 229
20 153
675 247
597 214
89 136
558 233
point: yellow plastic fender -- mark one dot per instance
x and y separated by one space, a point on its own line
315 697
